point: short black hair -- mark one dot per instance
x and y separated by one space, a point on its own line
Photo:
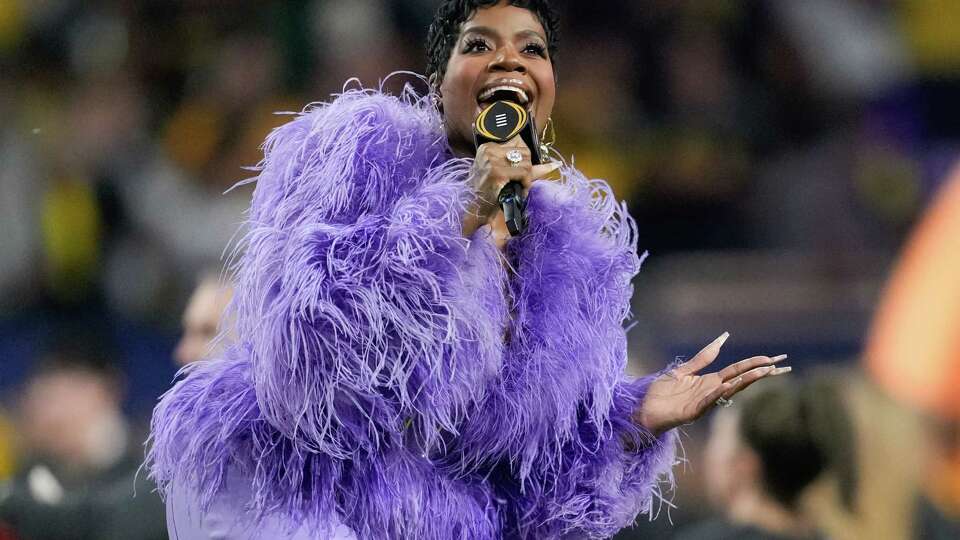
78 347
445 28
800 429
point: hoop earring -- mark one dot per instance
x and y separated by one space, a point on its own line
546 145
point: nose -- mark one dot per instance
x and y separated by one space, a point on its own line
508 59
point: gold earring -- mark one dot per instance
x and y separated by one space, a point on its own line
545 145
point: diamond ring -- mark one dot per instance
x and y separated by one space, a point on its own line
514 157
724 402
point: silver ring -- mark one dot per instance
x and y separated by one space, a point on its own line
514 157
724 402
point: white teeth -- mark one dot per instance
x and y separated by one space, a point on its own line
490 91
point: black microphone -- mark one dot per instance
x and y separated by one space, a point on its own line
499 122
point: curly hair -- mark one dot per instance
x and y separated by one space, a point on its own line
445 28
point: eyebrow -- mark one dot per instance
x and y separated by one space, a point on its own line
490 32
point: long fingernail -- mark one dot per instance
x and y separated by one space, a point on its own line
781 370
778 358
722 339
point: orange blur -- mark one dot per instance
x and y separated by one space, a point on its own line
913 351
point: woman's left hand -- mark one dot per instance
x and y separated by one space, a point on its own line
681 396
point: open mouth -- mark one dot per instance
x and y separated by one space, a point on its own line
503 92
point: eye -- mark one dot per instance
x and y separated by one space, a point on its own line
475 44
535 49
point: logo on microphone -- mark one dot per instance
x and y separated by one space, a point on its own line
501 121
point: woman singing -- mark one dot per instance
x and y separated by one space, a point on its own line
404 369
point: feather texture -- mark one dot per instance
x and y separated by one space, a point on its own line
562 453
390 372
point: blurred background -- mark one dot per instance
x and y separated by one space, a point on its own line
777 155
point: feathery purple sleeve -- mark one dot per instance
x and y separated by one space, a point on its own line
558 426
361 332
351 286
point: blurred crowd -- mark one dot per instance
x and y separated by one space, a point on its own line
751 138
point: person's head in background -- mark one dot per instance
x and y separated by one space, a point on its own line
70 408
202 319
772 444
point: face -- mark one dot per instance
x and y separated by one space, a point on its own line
201 321
61 408
500 46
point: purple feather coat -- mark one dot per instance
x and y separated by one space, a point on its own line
402 378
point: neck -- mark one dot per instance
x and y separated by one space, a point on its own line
459 146
757 509
462 150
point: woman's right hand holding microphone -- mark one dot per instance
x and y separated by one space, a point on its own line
493 169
